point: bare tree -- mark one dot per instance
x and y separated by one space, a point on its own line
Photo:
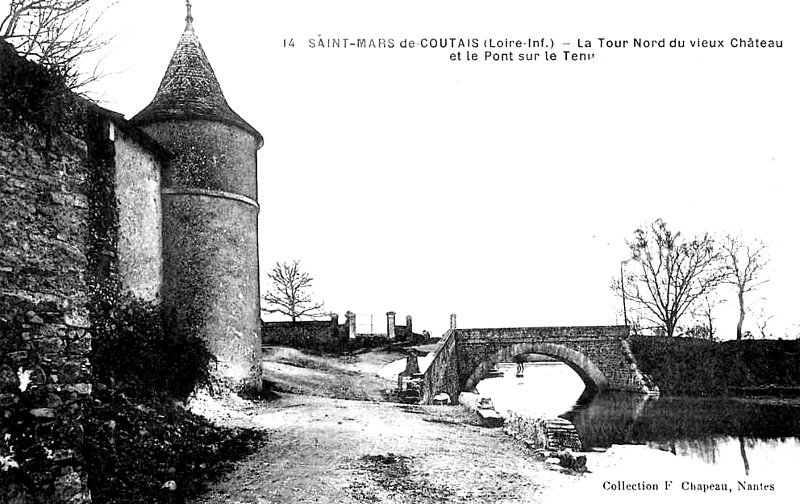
673 273
743 268
703 313
289 294
57 34
762 321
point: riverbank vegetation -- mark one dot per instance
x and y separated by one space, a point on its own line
696 367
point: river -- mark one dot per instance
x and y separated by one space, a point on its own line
742 439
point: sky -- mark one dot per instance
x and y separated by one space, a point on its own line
501 191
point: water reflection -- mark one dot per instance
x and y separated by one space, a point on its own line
545 389
608 419
614 417
744 437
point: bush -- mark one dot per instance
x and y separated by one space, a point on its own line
690 366
34 95
137 436
133 447
133 350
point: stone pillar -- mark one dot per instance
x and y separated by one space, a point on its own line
452 321
390 333
412 364
351 324
408 326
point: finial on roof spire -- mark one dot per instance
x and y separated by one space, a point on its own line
189 17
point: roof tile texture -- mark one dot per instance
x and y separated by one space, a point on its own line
189 90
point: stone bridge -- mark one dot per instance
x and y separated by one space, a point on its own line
600 355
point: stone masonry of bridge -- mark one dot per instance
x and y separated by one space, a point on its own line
600 355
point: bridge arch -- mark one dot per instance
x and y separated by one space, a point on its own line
592 377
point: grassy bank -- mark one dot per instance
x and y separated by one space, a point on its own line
343 375
690 366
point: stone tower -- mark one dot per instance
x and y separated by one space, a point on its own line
210 210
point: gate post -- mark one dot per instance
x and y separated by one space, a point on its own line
350 317
390 333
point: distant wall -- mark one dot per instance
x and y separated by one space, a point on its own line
330 334
380 326
303 333
403 332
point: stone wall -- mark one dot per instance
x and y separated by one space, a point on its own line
402 332
406 333
303 333
550 434
441 376
49 255
539 433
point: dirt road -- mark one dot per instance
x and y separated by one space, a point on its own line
341 451
326 447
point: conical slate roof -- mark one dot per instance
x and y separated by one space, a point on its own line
189 89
